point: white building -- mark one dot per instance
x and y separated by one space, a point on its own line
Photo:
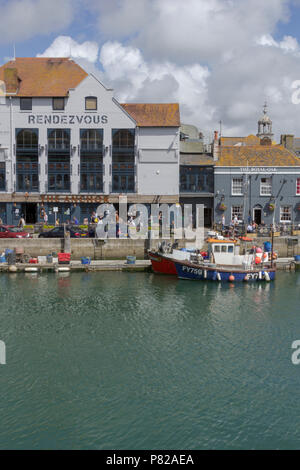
66 143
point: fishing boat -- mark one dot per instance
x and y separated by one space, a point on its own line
226 264
163 260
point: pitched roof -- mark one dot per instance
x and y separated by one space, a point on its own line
154 115
41 76
230 141
275 155
197 160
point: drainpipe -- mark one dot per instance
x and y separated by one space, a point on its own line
11 141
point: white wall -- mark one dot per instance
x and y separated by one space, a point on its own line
159 147
158 161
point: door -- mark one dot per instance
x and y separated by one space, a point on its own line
257 215
207 217
29 211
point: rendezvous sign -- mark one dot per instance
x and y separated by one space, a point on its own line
67 119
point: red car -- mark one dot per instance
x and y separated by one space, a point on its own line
10 231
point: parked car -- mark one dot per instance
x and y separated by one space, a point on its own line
58 232
10 231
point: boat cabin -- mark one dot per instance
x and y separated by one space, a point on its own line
224 252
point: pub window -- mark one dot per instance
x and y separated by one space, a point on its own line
25 104
266 187
237 186
237 211
91 103
285 214
58 104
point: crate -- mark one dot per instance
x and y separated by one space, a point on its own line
64 258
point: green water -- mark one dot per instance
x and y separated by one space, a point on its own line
138 361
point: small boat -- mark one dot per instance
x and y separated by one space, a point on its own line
226 264
163 260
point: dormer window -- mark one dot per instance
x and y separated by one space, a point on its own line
26 104
58 104
91 103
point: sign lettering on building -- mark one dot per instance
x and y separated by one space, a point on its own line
73 199
67 119
256 169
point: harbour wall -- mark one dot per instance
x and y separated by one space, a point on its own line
95 249
120 248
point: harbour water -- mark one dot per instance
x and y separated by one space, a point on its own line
139 361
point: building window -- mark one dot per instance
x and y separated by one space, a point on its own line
91 160
2 176
25 104
196 179
298 187
58 104
59 139
27 174
91 103
27 160
59 167
123 161
27 139
285 214
266 187
237 211
91 139
123 139
237 186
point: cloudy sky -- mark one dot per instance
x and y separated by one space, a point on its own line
220 59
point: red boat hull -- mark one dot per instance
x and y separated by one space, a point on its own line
162 264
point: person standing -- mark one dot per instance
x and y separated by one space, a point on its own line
22 222
223 222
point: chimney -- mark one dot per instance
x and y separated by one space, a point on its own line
287 140
216 147
266 141
11 80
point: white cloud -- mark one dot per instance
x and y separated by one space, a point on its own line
135 79
65 46
193 30
288 43
23 19
220 59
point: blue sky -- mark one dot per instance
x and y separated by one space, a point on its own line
220 59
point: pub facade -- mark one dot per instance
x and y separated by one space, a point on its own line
67 145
